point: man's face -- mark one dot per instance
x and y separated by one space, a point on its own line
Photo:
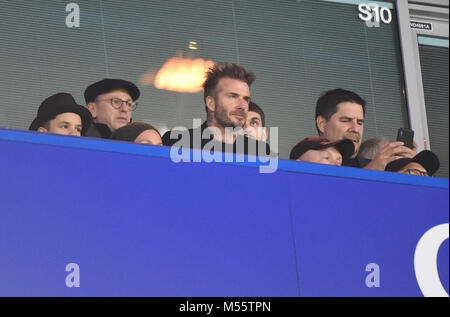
149 137
329 156
65 123
254 127
413 169
103 112
230 104
346 123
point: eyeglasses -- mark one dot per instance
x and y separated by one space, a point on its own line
117 103
416 172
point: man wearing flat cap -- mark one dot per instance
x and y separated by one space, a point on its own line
320 150
111 103
60 114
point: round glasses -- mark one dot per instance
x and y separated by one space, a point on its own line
117 103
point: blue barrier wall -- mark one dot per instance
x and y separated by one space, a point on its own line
138 224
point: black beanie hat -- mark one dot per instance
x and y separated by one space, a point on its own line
131 131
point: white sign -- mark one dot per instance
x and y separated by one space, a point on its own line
374 13
425 261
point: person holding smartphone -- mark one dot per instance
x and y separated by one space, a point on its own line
340 115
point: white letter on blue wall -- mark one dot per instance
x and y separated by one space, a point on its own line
373 279
73 278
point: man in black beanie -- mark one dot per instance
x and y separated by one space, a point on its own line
111 103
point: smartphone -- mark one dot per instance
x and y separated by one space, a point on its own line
406 136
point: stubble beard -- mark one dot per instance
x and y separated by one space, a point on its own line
224 120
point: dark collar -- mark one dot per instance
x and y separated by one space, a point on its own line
99 130
246 141
204 125
356 162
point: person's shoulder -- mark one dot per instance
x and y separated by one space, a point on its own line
260 147
363 161
266 147
166 140
172 136
98 130
354 162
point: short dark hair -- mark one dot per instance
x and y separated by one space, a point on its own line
255 108
326 105
46 125
224 70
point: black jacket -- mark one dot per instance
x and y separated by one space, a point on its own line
98 130
250 146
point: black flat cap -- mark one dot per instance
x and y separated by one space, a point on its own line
426 158
106 85
345 147
60 103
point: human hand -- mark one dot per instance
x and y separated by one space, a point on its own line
390 152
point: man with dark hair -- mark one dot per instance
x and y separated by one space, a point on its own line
227 98
256 123
60 114
340 115
111 102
